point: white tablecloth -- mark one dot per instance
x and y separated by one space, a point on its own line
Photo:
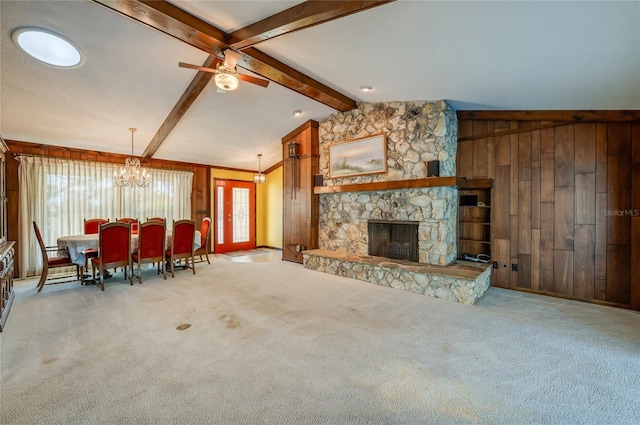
73 246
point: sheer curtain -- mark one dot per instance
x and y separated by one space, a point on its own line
59 193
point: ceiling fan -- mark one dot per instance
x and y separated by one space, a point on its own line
226 75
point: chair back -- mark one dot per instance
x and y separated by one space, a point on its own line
151 239
204 232
127 220
115 243
43 248
162 219
92 225
132 221
184 232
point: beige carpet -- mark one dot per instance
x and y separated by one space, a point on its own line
273 343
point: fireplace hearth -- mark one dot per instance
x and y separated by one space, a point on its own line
397 239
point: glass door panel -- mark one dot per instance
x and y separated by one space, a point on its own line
235 215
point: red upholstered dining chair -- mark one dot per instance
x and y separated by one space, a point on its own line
162 219
183 234
114 250
53 261
133 221
151 238
91 226
205 231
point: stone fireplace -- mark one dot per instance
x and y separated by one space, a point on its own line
416 133
343 220
393 239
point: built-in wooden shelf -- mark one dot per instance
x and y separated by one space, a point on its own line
399 184
474 183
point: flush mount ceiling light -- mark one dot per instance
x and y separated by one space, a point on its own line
47 47
366 88
297 113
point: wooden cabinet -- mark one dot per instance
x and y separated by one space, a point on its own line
474 219
300 205
6 248
6 281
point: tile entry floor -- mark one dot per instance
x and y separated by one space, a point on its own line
260 255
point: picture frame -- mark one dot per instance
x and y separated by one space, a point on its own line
358 157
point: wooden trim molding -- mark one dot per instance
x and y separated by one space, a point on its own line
515 131
571 116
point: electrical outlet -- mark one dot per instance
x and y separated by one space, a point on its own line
514 267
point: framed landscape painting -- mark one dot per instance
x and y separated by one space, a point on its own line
359 157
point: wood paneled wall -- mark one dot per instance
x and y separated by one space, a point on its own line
565 202
200 195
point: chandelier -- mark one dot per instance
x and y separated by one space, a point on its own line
131 174
259 177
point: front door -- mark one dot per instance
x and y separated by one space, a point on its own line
235 216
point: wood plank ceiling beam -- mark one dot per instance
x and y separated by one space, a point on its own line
171 20
167 18
301 16
189 96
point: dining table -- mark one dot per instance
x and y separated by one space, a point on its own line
74 246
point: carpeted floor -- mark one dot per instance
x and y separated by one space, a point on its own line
273 343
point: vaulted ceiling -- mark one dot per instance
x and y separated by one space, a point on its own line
476 55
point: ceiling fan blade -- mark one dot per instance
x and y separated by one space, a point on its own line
198 67
253 80
231 58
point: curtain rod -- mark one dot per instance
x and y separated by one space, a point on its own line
18 156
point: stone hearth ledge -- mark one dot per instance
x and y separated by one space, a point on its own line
462 282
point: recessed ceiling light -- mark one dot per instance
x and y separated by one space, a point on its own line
297 113
48 47
366 88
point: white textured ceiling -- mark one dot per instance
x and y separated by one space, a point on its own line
476 55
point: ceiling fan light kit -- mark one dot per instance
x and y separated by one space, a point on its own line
227 76
226 81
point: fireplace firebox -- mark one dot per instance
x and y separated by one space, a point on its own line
393 239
